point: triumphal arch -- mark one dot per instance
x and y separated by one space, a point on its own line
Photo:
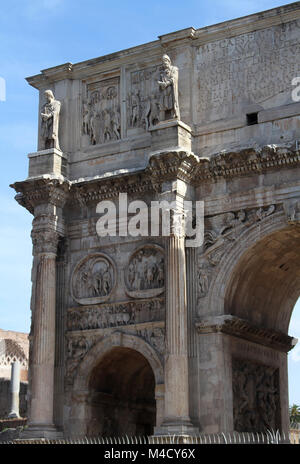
143 333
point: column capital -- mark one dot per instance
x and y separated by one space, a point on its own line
44 241
44 235
41 190
173 164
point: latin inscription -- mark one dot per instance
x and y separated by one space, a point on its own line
250 68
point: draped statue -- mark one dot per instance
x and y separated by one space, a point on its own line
50 121
168 85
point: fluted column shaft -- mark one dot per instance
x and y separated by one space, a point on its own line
43 327
176 359
42 365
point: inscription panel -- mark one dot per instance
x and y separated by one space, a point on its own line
253 68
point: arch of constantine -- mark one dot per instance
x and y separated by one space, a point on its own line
139 335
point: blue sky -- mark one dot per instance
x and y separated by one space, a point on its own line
38 34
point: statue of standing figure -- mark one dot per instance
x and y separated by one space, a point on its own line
50 121
168 85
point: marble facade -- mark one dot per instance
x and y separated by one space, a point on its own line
144 335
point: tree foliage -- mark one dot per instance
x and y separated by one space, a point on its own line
294 412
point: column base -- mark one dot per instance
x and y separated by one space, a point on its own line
40 431
13 415
179 428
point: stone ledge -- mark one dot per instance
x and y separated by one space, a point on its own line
12 423
232 325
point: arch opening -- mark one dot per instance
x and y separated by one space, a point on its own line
262 289
265 283
122 395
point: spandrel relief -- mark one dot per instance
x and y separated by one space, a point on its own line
145 273
101 120
93 279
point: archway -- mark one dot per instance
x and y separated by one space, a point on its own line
265 283
122 395
119 367
261 292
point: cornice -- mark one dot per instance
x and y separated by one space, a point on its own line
168 165
163 166
41 190
240 328
197 37
188 167
246 24
245 162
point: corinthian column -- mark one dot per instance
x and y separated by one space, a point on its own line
176 417
43 332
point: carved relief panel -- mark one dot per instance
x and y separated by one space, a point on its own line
255 396
145 273
93 279
143 98
153 95
101 118
116 314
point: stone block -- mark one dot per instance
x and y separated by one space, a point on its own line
51 161
171 134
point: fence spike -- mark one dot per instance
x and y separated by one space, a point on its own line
224 438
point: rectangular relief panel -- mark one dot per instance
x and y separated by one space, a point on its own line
143 98
101 116
256 396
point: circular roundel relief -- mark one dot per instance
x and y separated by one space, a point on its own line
145 273
93 279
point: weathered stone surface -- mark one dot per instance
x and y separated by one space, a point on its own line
135 334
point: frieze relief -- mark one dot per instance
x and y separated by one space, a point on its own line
116 314
221 231
145 273
101 119
93 279
153 95
255 396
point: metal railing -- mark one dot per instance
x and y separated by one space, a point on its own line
269 437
